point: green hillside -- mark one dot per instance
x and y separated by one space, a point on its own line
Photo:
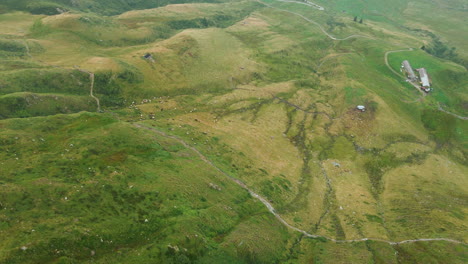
227 132
103 7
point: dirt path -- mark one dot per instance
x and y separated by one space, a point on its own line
268 205
315 23
272 210
450 113
388 64
399 74
91 75
439 107
351 36
91 88
307 3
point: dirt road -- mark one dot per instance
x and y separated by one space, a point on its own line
307 3
91 75
272 210
315 23
91 88
399 74
450 113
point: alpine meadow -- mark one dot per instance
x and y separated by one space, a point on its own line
233 131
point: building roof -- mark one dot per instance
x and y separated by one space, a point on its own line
424 77
409 70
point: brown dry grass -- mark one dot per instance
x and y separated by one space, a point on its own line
250 91
261 141
100 64
354 199
418 189
65 20
255 24
17 23
191 10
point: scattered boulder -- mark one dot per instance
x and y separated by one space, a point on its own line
214 186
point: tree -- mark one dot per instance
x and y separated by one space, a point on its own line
360 21
355 19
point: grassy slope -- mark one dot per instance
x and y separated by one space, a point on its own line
449 81
103 7
275 60
108 197
97 44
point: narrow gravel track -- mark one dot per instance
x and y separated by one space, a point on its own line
423 94
388 64
307 3
91 88
356 36
439 107
269 206
272 210
315 23
91 75
450 113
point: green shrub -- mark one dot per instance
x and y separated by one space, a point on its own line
377 166
44 8
12 46
29 105
46 81
441 50
39 29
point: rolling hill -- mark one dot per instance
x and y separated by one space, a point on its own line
227 132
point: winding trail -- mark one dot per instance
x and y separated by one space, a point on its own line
91 78
400 75
272 210
91 75
357 36
268 205
439 107
450 113
307 3
388 64
315 23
